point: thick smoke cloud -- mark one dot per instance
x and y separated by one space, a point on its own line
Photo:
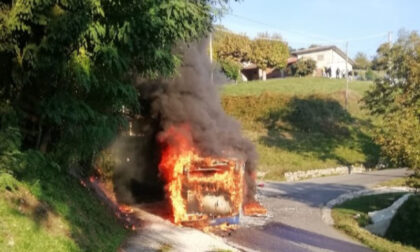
193 99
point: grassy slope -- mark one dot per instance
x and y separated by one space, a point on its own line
54 214
295 86
301 123
345 219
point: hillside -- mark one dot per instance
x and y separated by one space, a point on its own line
301 123
54 214
295 86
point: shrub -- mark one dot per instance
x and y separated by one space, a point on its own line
10 140
302 67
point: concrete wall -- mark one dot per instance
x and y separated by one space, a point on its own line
299 175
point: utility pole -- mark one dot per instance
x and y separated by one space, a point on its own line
347 75
389 38
211 57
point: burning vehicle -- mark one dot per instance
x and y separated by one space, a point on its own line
201 190
192 147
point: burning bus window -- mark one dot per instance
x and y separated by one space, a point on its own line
212 188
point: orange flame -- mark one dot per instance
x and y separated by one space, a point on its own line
254 208
125 209
177 156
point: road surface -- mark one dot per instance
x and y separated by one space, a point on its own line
296 223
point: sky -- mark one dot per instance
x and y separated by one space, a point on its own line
364 24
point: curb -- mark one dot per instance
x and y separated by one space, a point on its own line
326 209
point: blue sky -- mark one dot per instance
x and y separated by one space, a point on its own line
363 23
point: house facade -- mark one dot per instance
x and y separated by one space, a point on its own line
327 57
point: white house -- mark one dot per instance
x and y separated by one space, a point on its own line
327 57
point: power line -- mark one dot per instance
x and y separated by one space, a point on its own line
280 29
306 34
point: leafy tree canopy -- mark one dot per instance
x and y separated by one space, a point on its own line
362 61
269 52
66 65
396 99
230 46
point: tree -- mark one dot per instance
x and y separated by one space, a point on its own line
380 61
362 61
66 66
268 52
396 100
230 50
302 67
231 46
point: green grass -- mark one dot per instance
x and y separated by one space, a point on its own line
54 214
352 216
295 86
405 226
301 123
394 182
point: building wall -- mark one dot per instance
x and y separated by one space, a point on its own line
327 58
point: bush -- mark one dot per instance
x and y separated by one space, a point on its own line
302 67
10 140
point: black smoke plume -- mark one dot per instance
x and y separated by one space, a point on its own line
192 98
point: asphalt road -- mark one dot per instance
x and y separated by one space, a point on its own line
296 223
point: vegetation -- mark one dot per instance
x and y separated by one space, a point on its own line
55 215
66 72
231 69
269 52
295 86
380 62
65 66
351 217
232 49
231 46
42 210
405 224
303 67
394 182
396 100
362 61
300 123
410 181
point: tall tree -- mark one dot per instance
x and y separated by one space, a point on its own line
231 50
362 61
231 46
396 100
269 52
66 66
